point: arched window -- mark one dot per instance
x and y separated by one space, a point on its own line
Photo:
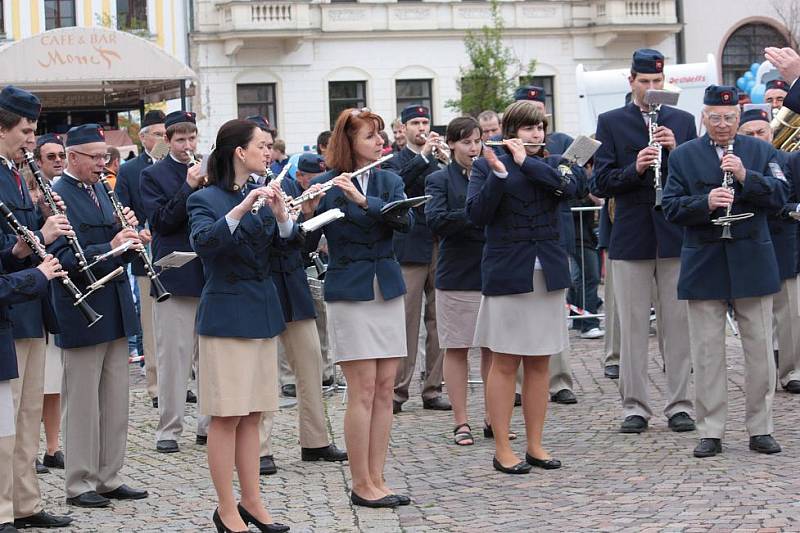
746 46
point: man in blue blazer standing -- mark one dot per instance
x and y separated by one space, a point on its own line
644 246
165 187
127 189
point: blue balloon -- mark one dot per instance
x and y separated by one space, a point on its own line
754 68
749 75
749 84
741 83
757 93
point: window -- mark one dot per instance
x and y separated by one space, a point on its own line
257 99
345 94
2 19
131 14
59 13
546 83
414 92
745 47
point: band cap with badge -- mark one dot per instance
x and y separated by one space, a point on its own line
21 102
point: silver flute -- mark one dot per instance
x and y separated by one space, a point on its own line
502 143
328 185
259 203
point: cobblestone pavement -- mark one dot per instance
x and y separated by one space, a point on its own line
609 482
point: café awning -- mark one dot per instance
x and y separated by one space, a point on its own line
92 67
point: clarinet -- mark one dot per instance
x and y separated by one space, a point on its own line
47 191
33 243
656 165
161 293
728 218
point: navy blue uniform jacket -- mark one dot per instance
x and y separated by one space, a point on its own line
415 246
164 194
712 268
94 227
461 242
522 218
31 317
127 189
239 298
792 100
360 245
639 231
783 228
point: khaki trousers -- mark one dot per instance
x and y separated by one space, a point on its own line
419 281
94 408
301 345
20 496
176 342
707 334
785 315
560 372
286 374
612 338
633 300
148 339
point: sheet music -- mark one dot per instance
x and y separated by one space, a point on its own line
581 150
175 259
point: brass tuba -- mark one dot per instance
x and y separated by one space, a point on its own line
786 130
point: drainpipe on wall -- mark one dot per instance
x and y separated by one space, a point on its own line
680 42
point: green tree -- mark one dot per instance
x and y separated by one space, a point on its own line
494 71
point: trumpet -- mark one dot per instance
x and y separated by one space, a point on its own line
440 150
727 219
328 185
503 143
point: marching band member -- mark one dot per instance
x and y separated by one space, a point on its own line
716 272
490 124
95 388
775 93
20 497
644 246
524 274
363 294
165 188
129 193
458 270
417 251
238 317
787 61
611 341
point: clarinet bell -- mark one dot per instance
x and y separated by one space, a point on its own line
90 315
161 292
659 197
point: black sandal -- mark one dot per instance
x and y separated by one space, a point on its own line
460 437
488 433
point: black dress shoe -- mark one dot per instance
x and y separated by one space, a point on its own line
396 407
793 387
40 468
54 461
386 501
220 525
633 424
611 371
289 390
680 422
708 448
402 499
42 519
124 492
191 397
267 466
89 499
764 444
201 440
8 527
328 453
517 399
520 468
564 396
547 464
167 446
155 402
437 404
273 527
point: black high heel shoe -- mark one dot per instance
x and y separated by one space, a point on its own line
274 527
488 432
220 525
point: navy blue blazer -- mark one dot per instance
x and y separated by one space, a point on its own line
415 246
239 298
127 189
640 231
568 238
522 218
94 227
792 99
15 288
360 244
287 268
783 228
461 242
164 193
31 317
604 228
712 268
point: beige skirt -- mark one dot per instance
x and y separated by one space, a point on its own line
375 329
237 376
53 367
531 323
456 317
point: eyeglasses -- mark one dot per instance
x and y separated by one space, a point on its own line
157 134
729 119
97 158
54 156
